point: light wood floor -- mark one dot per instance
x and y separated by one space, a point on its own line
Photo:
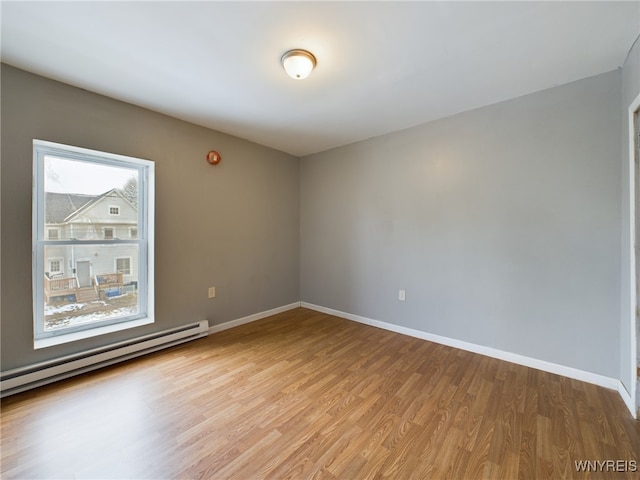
307 395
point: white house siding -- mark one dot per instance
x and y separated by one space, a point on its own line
89 223
103 258
54 252
89 231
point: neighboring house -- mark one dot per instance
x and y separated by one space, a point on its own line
107 217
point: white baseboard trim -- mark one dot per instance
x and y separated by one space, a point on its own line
251 318
570 372
627 399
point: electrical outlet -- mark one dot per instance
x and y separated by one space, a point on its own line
212 292
401 295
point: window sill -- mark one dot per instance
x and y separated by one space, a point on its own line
94 332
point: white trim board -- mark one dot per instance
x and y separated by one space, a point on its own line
251 318
633 301
628 400
570 372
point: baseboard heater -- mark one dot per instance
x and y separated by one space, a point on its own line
32 376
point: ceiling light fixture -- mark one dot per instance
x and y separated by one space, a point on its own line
298 63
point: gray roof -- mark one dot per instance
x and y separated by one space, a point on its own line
60 205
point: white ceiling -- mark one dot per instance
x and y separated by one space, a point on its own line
382 66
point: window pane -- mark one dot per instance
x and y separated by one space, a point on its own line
55 266
123 265
100 283
83 198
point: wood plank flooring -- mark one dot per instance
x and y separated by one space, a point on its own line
306 395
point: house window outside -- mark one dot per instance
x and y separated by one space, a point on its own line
123 265
78 190
133 232
55 266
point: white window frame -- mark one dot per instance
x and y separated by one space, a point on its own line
55 259
53 229
115 265
131 230
113 233
144 242
116 208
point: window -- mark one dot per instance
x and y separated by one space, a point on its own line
55 266
123 266
78 190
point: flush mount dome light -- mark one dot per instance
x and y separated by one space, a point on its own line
298 63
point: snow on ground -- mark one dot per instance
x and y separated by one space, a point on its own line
52 310
70 314
100 315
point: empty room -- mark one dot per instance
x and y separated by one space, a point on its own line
329 240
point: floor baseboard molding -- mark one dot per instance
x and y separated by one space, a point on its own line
627 399
251 318
565 371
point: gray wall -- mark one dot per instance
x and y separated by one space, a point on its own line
234 226
502 224
630 90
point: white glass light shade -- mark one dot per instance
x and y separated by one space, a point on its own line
298 63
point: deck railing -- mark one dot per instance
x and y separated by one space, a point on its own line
108 280
59 286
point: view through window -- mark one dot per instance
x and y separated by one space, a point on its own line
93 271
